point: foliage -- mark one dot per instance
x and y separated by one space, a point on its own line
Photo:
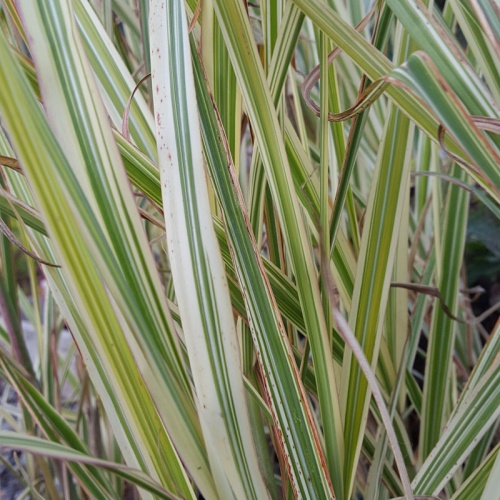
248 246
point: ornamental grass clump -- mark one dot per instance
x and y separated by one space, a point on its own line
250 219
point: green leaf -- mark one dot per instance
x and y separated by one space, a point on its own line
259 105
374 272
197 267
478 411
32 444
286 395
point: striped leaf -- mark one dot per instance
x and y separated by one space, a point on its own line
199 277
